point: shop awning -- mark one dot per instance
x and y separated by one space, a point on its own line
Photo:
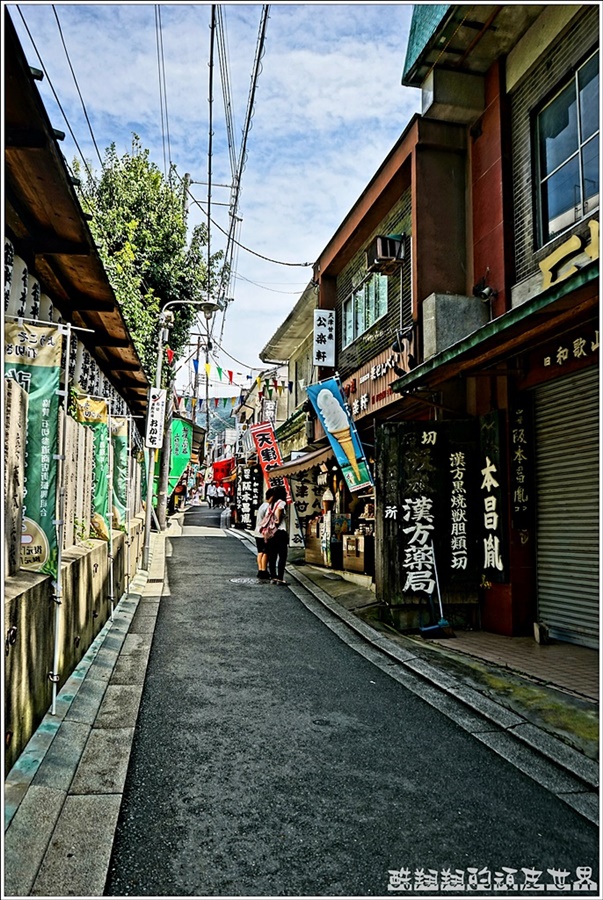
303 463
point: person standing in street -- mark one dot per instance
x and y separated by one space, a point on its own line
260 543
277 546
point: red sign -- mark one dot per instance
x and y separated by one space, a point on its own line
222 469
269 454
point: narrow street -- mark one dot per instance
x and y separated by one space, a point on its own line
272 759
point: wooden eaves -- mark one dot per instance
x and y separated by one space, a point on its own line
45 222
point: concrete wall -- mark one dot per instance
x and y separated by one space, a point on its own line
29 627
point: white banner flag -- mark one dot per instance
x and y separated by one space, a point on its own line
323 353
155 419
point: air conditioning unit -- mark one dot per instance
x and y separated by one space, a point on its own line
385 254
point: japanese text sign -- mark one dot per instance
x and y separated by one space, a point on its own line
269 454
323 352
32 357
155 419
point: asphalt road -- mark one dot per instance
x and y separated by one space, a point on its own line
271 759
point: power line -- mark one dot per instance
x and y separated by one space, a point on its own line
278 262
234 359
165 127
58 102
77 85
264 288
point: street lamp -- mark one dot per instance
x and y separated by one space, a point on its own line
166 320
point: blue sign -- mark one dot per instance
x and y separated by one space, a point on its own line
327 399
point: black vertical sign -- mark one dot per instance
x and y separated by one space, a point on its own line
427 502
248 494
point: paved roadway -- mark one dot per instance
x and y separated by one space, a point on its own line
271 759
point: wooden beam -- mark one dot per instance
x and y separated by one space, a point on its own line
25 138
53 245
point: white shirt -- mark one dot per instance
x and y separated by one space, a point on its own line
259 517
281 504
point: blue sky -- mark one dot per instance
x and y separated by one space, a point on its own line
329 106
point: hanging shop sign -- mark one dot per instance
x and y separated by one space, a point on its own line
307 498
155 419
369 388
323 348
119 442
32 357
492 488
248 494
269 454
328 401
269 411
568 353
222 469
94 414
428 502
565 260
181 435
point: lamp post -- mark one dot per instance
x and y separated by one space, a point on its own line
166 318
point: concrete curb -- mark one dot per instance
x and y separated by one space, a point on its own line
63 795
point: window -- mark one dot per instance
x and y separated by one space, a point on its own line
568 153
364 307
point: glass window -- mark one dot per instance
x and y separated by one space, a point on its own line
381 284
348 322
568 150
364 307
588 81
359 308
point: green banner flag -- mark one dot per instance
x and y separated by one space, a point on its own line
93 413
181 438
32 357
119 440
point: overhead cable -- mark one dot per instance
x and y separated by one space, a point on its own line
77 85
58 102
277 262
163 104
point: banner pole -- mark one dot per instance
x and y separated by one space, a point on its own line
48 322
110 513
60 522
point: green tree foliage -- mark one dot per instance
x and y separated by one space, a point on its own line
139 225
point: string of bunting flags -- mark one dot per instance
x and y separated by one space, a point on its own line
269 383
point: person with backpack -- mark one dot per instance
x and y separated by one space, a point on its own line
274 529
260 543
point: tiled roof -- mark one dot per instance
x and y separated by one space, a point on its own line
426 18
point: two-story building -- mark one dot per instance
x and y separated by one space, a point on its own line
465 286
522 83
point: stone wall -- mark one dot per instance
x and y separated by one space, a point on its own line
29 627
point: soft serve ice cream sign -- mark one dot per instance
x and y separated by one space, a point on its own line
327 399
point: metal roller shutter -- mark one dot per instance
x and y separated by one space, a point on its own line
567 461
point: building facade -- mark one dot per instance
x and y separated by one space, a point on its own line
526 83
465 286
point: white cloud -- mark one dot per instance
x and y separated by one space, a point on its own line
329 107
